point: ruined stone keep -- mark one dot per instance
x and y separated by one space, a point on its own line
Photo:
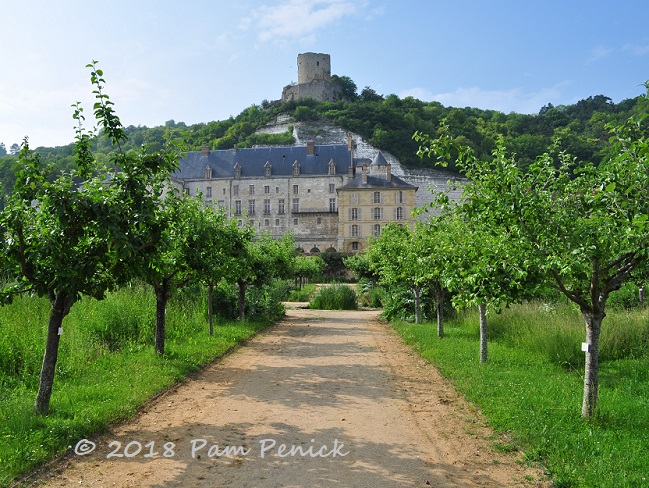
313 80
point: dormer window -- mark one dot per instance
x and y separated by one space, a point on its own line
268 169
208 173
237 170
296 168
332 168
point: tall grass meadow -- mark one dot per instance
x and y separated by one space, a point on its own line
531 388
107 367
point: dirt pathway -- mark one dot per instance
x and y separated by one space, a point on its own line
349 403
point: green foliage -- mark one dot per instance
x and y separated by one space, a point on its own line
335 297
626 298
104 375
303 294
307 268
388 122
81 232
583 228
335 269
527 393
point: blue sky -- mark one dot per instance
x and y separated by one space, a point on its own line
199 60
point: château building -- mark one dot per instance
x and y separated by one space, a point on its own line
320 193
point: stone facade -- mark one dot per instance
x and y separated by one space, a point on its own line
369 201
297 189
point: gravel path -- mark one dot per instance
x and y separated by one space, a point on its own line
323 399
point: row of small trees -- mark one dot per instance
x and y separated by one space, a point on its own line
580 228
98 227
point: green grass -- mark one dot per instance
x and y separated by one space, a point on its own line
531 388
304 294
106 370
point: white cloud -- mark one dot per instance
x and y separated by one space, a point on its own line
637 50
296 19
506 101
600 52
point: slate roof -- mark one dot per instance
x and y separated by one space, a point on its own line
376 181
253 160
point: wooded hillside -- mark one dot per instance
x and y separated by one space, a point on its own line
386 122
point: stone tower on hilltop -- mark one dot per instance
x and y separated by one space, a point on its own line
313 66
313 80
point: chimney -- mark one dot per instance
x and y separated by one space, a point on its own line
349 141
205 151
365 171
388 172
310 148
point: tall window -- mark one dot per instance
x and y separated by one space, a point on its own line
354 198
399 196
266 190
208 191
354 214
251 188
377 213
376 230
399 213
296 189
280 206
296 205
377 197
237 207
267 206
235 190
355 230
251 207
332 188
332 204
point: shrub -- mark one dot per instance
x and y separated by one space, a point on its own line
335 297
302 295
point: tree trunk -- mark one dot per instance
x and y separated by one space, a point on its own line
210 307
591 375
60 306
439 305
161 297
482 308
642 295
242 299
417 305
